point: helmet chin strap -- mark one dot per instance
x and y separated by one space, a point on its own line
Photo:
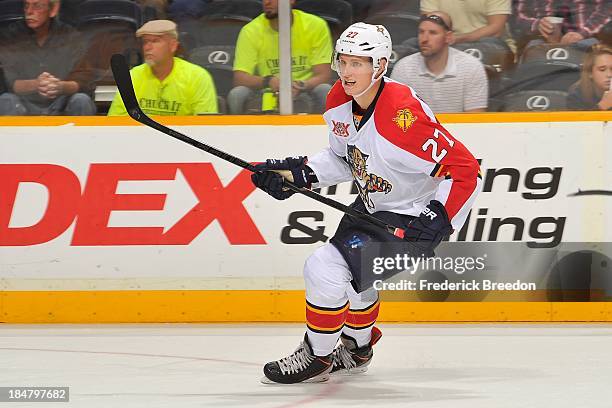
373 81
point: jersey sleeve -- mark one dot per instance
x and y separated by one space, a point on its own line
329 168
329 165
424 144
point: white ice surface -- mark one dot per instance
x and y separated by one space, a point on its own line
458 366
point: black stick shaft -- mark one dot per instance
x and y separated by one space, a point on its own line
126 89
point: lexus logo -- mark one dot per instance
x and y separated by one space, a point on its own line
538 102
557 54
219 57
474 52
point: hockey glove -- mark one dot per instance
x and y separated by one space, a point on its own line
270 176
430 227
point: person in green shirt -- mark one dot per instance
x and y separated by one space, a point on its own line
165 84
256 65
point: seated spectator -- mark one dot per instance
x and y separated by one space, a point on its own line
256 65
38 65
582 20
166 84
594 89
475 20
447 79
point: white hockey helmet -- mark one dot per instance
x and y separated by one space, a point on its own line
364 40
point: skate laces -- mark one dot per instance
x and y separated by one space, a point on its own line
297 361
342 357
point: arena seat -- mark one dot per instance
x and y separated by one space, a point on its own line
106 11
401 26
337 13
394 6
218 61
541 75
495 57
243 10
553 53
10 11
69 11
535 101
197 33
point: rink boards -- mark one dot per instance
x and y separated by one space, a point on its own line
103 220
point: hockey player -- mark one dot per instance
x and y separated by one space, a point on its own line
409 171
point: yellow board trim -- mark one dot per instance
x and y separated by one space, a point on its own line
262 306
298 120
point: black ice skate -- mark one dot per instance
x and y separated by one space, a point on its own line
347 358
301 366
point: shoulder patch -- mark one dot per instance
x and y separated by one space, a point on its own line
400 118
404 118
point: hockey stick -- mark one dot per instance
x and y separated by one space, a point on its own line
126 89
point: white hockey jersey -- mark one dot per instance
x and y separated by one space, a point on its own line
400 157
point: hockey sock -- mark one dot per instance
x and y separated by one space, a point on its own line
324 325
359 323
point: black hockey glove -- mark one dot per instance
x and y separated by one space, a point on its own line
430 227
270 176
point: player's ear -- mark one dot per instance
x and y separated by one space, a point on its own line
54 8
450 37
174 45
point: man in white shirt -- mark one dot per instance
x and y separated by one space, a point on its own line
447 79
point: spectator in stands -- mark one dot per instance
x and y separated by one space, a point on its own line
476 20
594 89
447 79
256 60
166 84
582 19
38 65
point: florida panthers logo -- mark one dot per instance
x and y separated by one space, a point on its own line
366 182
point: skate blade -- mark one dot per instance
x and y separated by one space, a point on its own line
354 371
316 379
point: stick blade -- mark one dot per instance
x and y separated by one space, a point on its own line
121 73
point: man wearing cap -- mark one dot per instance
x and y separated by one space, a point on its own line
165 84
447 79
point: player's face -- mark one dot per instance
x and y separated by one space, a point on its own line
602 72
158 49
38 12
433 38
355 73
